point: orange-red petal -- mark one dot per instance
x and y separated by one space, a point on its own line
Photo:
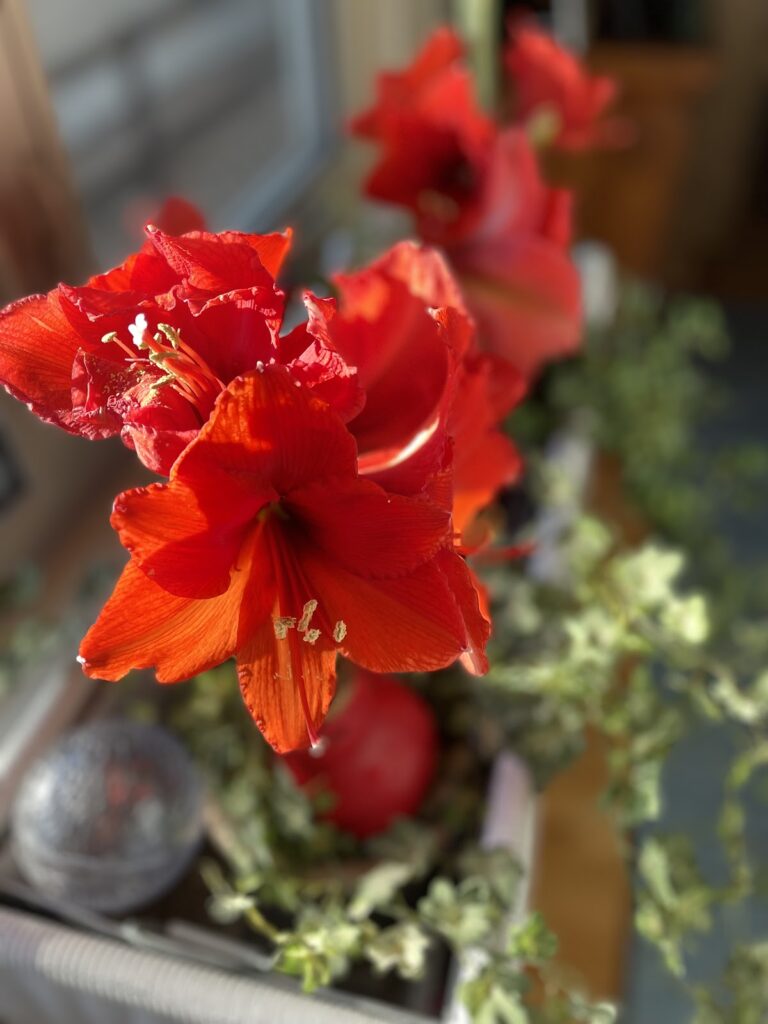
187 541
272 694
143 626
366 530
214 263
472 600
271 432
37 349
409 624
480 476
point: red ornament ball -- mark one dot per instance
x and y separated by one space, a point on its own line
377 756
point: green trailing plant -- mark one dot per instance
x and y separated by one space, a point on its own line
644 390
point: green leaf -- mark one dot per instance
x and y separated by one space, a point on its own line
494 996
464 914
228 907
320 949
531 941
402 947
378 887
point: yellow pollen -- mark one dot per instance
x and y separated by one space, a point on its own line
339 631
282 625
311 636
306 616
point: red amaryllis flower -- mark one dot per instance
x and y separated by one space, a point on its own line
435 141
515 269
401 322
144 349
177 216
395 90
549 82
266 544
477 192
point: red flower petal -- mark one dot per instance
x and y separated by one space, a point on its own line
481 474
271 249
188 541
516 200
485 459
526 297
367 531
472 601
232 332
309 352
98 385
145 272
395 89
177 216
548 77
220 263
37 349
157 447
266 426
274 697
409 624
422 269
143 626
419 467
405 356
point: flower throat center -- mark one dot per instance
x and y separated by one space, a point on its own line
185 371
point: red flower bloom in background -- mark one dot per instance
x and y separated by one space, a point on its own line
477 192
267 544
435 141
551 82
174 215
145 349
395 90
177 216
516 272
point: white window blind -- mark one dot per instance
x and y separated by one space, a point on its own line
226 102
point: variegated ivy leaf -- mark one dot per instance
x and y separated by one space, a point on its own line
320 948
402 947
465 914
378 887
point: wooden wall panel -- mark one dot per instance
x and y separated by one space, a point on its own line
42 237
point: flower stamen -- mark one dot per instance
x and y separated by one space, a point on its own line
185 370
282 624
306 616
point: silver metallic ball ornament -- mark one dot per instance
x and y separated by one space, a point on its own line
110 817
